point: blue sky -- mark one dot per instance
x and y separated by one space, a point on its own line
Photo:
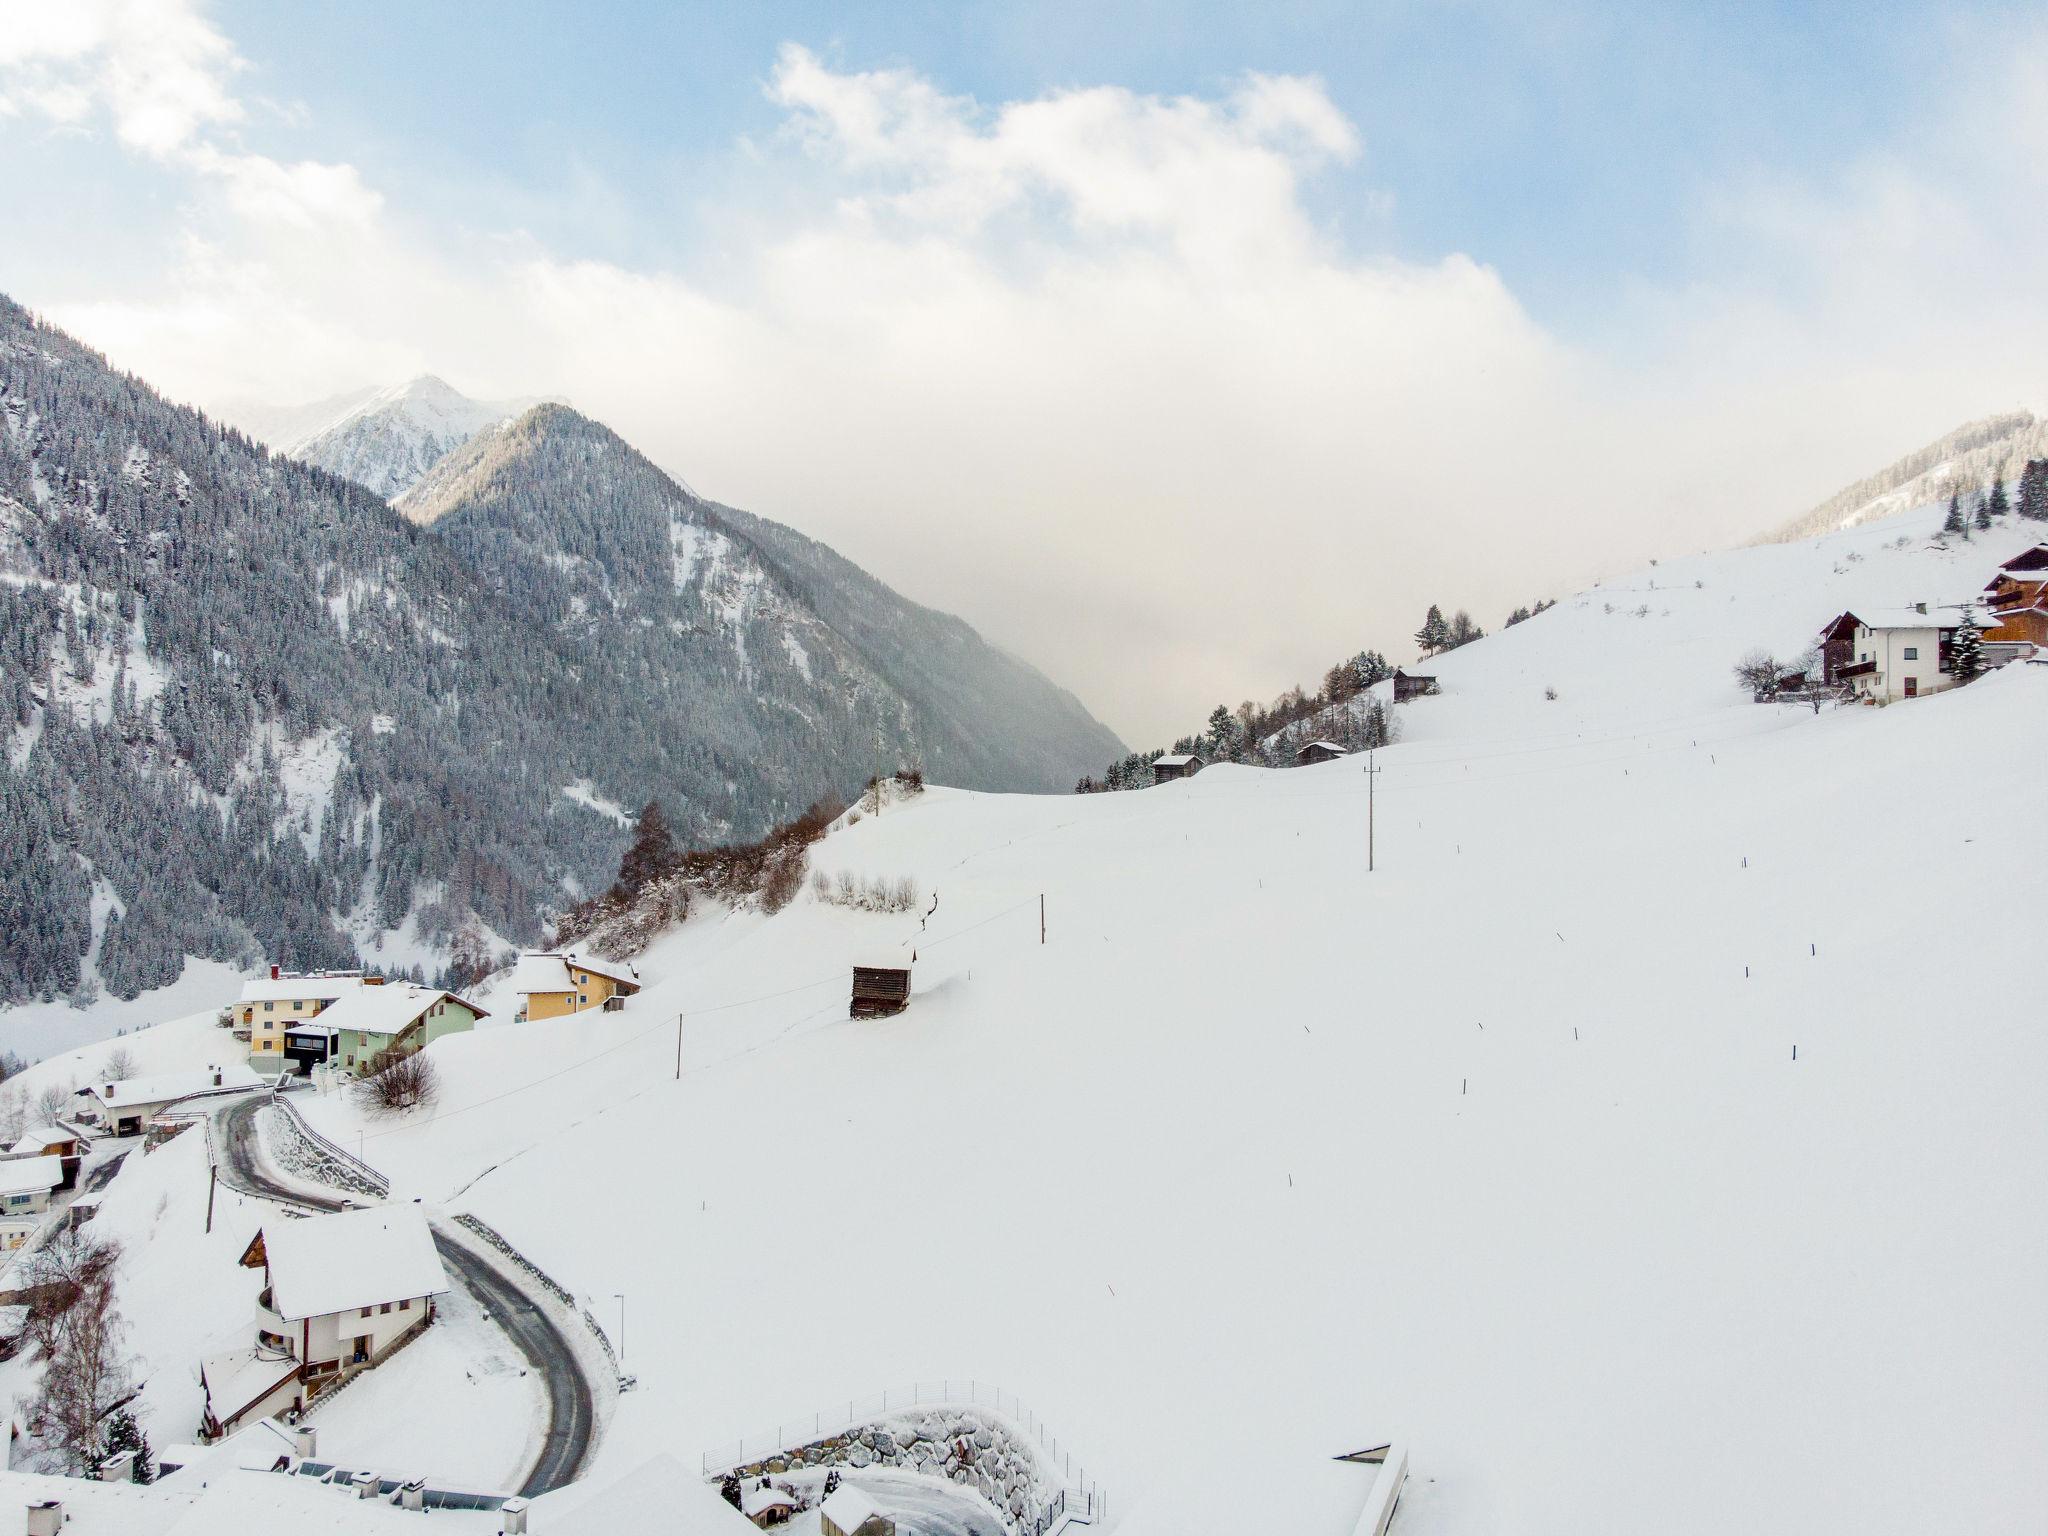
1566 145
1306 314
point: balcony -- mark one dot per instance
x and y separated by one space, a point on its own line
271 1325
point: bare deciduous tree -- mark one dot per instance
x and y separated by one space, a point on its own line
398 1085
75 1331
120 1064
1758 671
53 1101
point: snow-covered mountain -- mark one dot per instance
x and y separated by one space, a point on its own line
1650 1143
383 439
258 715
1968 459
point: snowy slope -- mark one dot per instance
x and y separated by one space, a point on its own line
386 440
1501 1149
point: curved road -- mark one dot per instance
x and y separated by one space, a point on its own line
572 1412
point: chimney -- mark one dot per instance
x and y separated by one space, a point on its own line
47 1518
1919 607
414 1494
273 973
514 1511
118 1469
367 1484
216 1077
305 1442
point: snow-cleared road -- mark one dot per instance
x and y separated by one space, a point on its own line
572 1414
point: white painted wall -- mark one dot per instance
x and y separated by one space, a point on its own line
1889 648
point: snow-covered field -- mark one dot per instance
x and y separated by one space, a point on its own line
1502 1149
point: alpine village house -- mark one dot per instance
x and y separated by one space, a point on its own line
556 983
340 1294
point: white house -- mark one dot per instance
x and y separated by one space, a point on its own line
26 1182
271 1004
340 1294
124 1108
1887 654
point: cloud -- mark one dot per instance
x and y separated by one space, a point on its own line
1084 368
158 69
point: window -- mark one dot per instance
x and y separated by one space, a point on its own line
385 1308
268 1006
1912 687
583 999
1912 653
405 1306
366 1311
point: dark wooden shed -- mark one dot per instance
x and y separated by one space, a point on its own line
1319 752
1412 685
881 986
1180 765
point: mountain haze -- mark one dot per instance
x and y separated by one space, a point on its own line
1969 457
256 714
383 439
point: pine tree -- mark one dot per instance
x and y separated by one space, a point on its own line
1435 634
1953 523
1966 654
2033 501
124 1434
1997 506
1222 734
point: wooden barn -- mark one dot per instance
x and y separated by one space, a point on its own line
881 985
1412 685
1318 752
1179 765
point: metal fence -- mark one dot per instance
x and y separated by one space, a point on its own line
372 1181
1079 1496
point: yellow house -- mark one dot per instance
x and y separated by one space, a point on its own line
555 983
271 1004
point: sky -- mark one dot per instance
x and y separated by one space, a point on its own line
1182 349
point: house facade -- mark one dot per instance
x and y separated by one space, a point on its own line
2017 600
1888 654
340 1294
394 1019
126 1108
26 1184
270 1005
555 983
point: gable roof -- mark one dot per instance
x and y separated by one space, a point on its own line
286 989
2035 559
849 1508
388 1009
37 1137
548 971
162 1087
27 1175
1176 760
322 1264
1327 746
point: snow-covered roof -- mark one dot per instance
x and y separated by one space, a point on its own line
162 1087
387 1009
849 1508
1175 760
325 1264
235 1378
1328 746
897 958
755 1498
286 989
37 1137
549 971
1937 616
27 1175
660 1497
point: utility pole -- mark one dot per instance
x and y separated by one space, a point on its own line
1371 772
679 1047
212 1178
620 1297
1041 917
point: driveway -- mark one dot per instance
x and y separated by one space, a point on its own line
572 1414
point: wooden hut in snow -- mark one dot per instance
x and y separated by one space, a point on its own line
1178 765
1412 685
1318 752
881 984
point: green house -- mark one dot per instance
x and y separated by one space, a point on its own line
395 1017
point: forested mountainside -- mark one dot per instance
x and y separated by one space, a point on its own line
782 657
1972 456
255 713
